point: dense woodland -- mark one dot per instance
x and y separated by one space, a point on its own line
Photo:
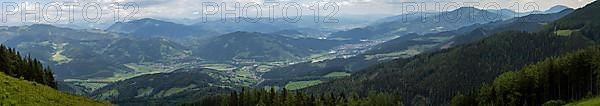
158 88
29 69
558 64
569 77
261 97
441 75
465 35
459 72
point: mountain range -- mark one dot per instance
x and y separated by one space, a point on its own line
163 88
432 22
256 46
444 21
149 28
408 46
454 57
436 77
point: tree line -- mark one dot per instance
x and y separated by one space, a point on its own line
272 97
13 64
555 80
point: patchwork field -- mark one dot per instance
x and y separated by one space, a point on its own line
565 32
220 67
337 74
294 85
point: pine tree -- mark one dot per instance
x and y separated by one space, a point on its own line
233 99
13 64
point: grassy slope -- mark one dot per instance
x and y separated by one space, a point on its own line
586 102
337 74
14 91
295 85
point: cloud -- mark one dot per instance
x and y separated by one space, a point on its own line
178 9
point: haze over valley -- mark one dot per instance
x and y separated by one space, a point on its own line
463 56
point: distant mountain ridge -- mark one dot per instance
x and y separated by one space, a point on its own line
148 27
444 21
409 45
256 46
309 24
162 88
432 22
81 53
446 50
438 76
556 9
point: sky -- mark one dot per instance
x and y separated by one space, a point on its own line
78 11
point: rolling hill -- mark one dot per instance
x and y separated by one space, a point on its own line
556 9
407 46
147 28
254 46
439 75
25 81
100 57
306 24
21 92
567 77
89 53
425 61
444 21
181 86
88 59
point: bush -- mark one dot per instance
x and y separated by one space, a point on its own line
554 103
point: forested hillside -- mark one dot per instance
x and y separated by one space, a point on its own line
284 97
255 46
24 81
440 75
147 28
422 24
29 69
407 46
173 88
367 55
569 77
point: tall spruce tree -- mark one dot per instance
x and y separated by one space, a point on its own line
12 64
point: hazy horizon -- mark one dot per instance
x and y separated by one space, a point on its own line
185 11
